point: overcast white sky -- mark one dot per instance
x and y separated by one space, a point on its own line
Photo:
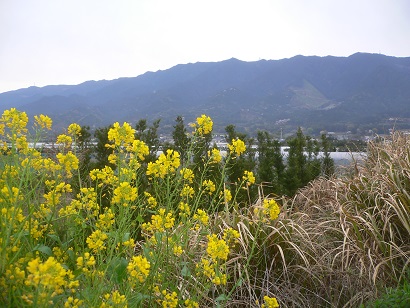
46 42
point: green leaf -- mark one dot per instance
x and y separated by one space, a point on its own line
54 237
185 272
140 219
221 298
126 237
117 269
43 249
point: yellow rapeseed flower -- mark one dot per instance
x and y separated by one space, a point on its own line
43 121
96 241
215 156
209 186
169 300
185 210
189 303
270 302
121 135
68 161
271 208
152 202
165 164
187 191
231 236
237 147
248 177
217 249
15 120
74 129
124 194
49 274
72 302
138 269
212 271
187 174
139 149
105 176
203 125
202 217
106 220
64 140
161 222
227 195
114 299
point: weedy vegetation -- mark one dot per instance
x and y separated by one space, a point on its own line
171 232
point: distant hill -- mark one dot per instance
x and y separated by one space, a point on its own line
356 93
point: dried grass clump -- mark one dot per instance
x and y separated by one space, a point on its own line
339 241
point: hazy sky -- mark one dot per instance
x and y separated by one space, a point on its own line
46 42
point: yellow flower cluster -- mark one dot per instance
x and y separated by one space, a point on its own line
217 249
165 164
55 192
227 195
187 174
15 120
43 121
237 147
152 202
215 156
124 194
209 186
270 208
86 263
231 236
69 162
137 150
49 277
203 125
86 202
189 303
187 191
270 302
114 299
184 209
10 195
106 220
212 271
121 135
201 217
96 241
160 222
104 176
168 300
249 178
72 302
213 266
74 129
138 269
64 140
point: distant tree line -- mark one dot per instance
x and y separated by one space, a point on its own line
275 173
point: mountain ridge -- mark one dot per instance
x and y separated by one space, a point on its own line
359 92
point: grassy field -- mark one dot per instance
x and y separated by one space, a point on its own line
171 234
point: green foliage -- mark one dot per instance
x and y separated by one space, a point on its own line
149 134
328 165
241 163
270 167
180 137
393 298
101 152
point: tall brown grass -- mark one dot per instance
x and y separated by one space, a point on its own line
338 242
